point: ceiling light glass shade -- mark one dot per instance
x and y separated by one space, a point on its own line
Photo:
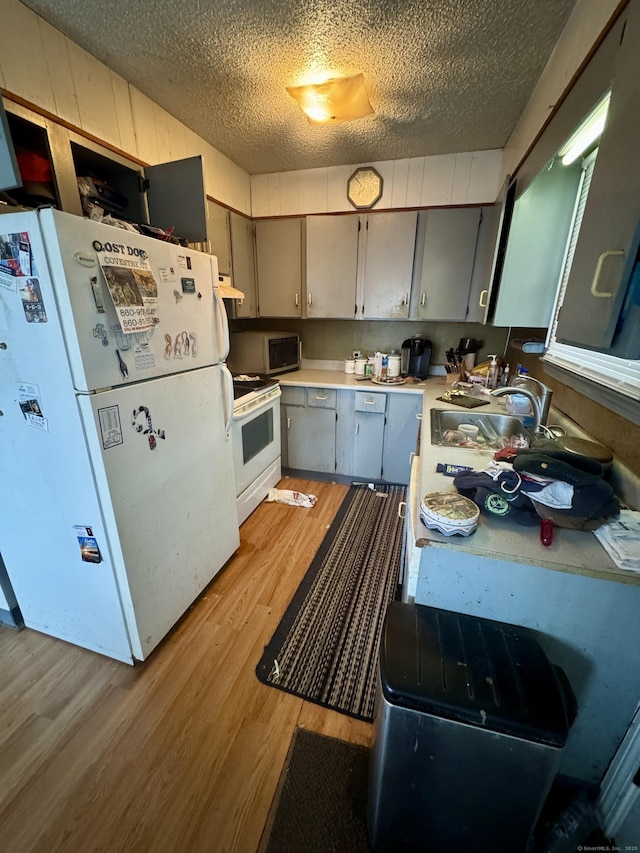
338 99
590 130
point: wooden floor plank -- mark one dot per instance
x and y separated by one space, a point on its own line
182 752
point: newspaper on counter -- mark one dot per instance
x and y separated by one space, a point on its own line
621 539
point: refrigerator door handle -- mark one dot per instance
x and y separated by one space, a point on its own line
221 325
227 394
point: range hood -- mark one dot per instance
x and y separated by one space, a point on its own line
227 290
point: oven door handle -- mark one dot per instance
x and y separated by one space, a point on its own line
249 409
227 395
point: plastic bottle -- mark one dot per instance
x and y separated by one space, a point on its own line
521 377
504 380
492 375
519 404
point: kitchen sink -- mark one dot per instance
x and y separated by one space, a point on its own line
494 430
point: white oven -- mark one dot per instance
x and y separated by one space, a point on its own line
255 436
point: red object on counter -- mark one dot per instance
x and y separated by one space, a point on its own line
546 531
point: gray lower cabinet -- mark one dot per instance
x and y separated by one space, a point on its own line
365 435
309 429
401 436
368 434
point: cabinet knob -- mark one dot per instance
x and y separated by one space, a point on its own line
297 300
405 299
423 299
318 397
288 423
309 299
402 509
3 345
357 428
482 302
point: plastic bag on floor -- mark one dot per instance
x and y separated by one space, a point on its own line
286 496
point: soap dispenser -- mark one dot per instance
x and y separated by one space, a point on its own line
492 375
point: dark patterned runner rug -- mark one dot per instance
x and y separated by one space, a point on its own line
325 648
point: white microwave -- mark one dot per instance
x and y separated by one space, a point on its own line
264 352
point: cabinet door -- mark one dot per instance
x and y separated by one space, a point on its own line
243 263
218 236
448 253
387 264
367 445
332 260
536 247
597 281
176 197
279 267
400 436
311 439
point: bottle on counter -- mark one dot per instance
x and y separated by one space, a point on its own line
519 404
492 375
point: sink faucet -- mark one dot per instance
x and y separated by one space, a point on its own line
540 401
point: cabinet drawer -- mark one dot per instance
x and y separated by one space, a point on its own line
293 395
368 401
321 398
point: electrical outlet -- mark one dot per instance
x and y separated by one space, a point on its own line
356 353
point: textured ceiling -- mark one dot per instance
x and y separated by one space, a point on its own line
442 75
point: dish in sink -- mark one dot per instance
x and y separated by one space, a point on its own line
494 430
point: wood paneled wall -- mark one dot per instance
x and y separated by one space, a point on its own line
41 65
448 179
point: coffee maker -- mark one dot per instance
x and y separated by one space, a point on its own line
416 355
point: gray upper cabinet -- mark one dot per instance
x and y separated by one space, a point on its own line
279 267
445 253
219 235
332 262
536 246
176 197
601 264
243 263
386 272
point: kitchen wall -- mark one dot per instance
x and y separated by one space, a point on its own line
470 177
336 339
47 69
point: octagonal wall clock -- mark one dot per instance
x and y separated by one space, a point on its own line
364 187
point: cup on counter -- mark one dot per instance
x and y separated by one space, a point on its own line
361 364
349 365
394 365
370 366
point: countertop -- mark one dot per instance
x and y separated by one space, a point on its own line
320 378
573 551
577 552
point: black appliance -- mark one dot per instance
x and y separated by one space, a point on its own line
416 355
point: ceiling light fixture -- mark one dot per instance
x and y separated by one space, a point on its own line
588 132
338 99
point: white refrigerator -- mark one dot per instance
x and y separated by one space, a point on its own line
117 483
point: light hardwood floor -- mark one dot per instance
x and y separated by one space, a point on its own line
182 752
